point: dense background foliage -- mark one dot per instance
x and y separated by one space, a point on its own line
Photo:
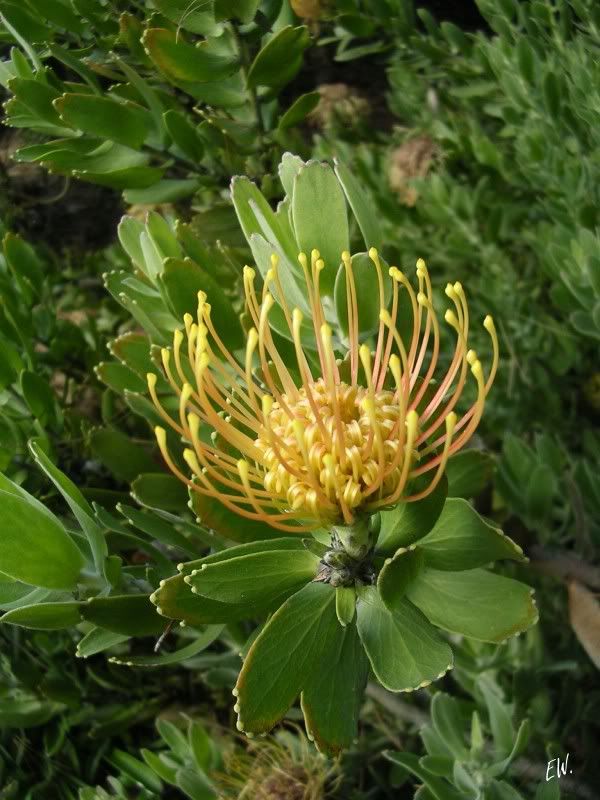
476 140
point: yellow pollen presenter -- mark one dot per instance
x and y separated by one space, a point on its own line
344 430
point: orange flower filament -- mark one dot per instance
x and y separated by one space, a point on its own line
324 442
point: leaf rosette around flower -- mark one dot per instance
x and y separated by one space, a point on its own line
335 424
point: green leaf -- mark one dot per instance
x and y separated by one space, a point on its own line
362 206
45 616
124 458
320 218
131 615
182 62
289 166
449 724
39 397
474 603
461 539
34 546
119 377
162 659
244 10
267 577
174 600
282 658
195 785
250 548
405 651
201 745
194 17
409 522
133 350
164 191
23 261
215 516
97 641
184 135
125 123
280 58
439 789
331 698
159 490
345 604
77 503
365 280
136 770
499 714
468 473
548 790
300 108
398 573
183 279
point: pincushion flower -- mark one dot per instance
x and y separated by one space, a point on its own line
329 440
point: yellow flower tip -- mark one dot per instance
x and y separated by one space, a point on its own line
243 469
186 393
151 379
161 437
384 316
274 261
191 460
345 256
270 276
297 317
177 337
450 291
471 357
303 260
202 296
315 255
326 332
421 265
320 264
248 273
458 288
488 324
451 421
423 300
365 356
373 254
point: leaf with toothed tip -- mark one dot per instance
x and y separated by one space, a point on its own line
475 603
405 650
279 664
461 539
174 599
249 548
266 577
177 599
132 615
332 697
320 217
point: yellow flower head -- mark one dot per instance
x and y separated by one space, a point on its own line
302 446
